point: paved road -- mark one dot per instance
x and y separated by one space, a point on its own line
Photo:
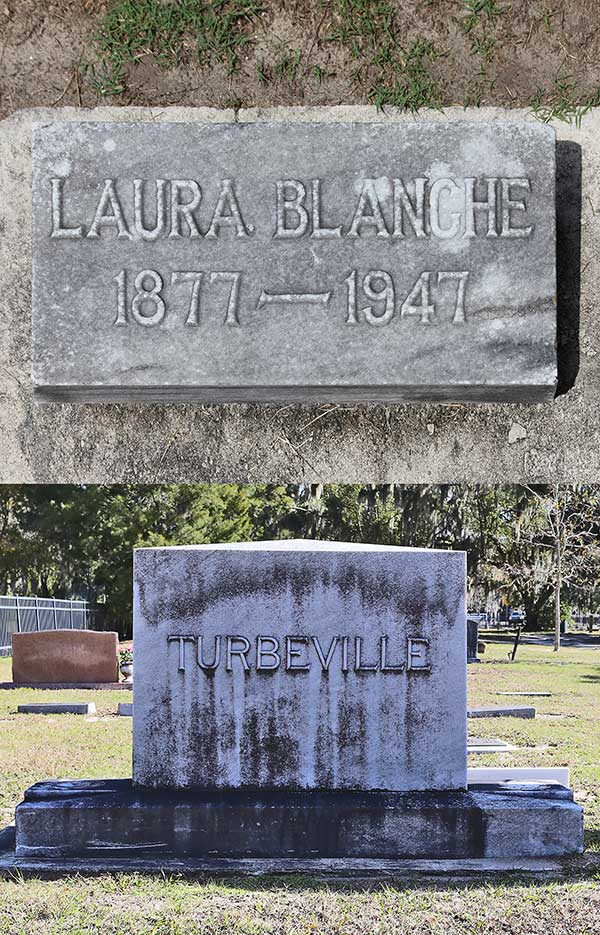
576 640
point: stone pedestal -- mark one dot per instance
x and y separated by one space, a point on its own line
88 818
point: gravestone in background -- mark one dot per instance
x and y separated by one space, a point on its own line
472 640
65 656
294 261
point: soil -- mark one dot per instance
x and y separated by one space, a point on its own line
42 42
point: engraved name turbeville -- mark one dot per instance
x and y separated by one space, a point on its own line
268 655
300 665
290 261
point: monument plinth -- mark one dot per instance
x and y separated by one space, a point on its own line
294 261
298 700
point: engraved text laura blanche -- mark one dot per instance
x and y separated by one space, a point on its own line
391 209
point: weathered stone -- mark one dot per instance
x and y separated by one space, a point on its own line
125 709
65 657
112 817
298 665
487 745
433 443
297 701
527 694
558 774
182 261
57 708
523 711
317 868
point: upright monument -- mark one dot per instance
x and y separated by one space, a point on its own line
298 700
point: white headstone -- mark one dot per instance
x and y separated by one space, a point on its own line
300 665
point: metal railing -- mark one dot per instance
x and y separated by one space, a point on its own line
31 614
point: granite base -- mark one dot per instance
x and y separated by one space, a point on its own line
101 818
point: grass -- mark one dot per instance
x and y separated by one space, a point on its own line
565 733
429 54
480 13
134 905
564 100
170 32
35 747
395 74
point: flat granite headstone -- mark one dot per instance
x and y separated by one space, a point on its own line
294 261
299 665
71 707
523 711
65 657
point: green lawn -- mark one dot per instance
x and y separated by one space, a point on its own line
565 733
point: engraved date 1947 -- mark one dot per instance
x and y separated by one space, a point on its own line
141 297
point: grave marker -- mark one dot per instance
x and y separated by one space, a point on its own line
300 664
297 701
294 261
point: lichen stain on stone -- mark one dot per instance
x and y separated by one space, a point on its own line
352 738
325 744
150 566
267 752
204 738
238 575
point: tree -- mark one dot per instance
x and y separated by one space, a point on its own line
570 533
533 545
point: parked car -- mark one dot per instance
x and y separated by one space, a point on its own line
516 616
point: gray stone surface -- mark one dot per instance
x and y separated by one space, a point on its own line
524 711
488 745
125 709
67 707
557 774
306 718
360 868
527 694
557 441
447 233
112 817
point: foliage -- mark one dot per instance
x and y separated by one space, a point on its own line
78 541
68 541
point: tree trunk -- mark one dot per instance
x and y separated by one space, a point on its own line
557 590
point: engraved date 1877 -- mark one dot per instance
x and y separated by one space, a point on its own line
141 296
